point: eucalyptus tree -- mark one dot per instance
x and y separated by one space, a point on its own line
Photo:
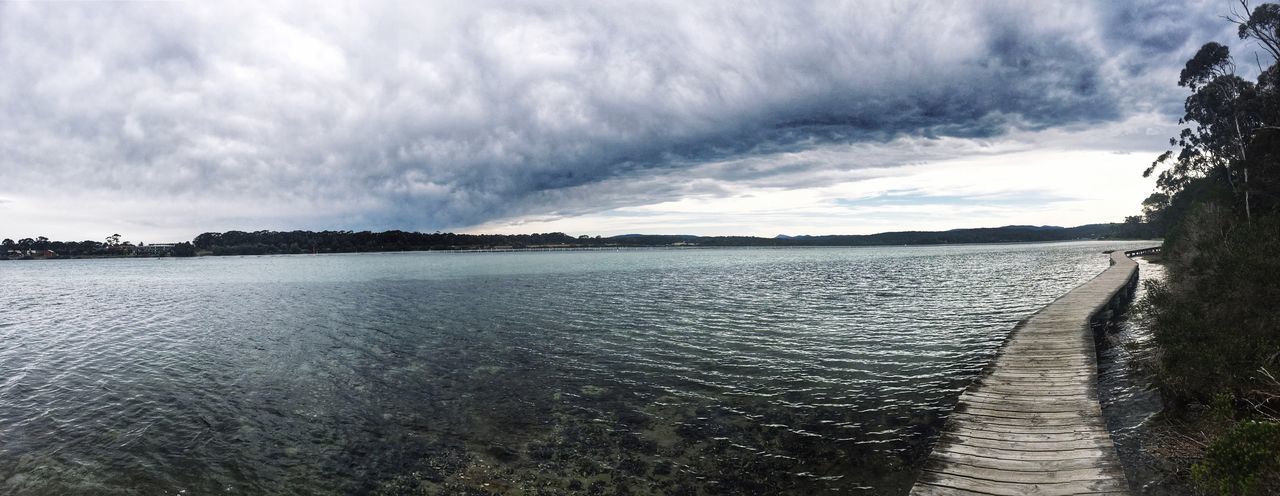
1221 116
1262 24
1231 122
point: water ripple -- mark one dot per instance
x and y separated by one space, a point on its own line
727 371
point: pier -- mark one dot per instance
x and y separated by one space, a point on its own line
1031 424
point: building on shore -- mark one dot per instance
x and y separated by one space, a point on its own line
153 250
30 254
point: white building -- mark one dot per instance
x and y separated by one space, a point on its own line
153 250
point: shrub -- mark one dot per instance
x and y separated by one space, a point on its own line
1245 460
1214 319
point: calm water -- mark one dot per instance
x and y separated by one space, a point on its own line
630 372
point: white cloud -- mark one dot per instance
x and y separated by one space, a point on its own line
1041 178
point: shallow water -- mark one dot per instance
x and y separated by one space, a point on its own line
1130 402
630 372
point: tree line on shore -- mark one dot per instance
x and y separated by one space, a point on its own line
300 242
112 246
276 242
1214 318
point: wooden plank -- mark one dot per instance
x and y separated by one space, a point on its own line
1019 465
1024 429
1063 417
1032 477
1042 372
964 438
1041 360
1022 366
1020 489
1047 383
977 431
926 489
1038 356
983 399
1097 455
997 390
1015 376
1045 348
1032 424
1020 407
1028 403
1005 394
1012 366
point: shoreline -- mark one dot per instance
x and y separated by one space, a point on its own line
1152 450
1157 445
577 249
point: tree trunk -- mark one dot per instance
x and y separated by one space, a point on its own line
1244 163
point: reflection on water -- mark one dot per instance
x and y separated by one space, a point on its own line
632 372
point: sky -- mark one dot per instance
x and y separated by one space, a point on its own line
162 120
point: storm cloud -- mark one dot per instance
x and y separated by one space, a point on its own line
426 116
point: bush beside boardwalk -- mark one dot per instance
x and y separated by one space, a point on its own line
1215 320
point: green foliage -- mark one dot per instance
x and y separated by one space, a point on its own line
1214 318
1263 25
1232 138
1245 460
1218 202
1223 407
183 249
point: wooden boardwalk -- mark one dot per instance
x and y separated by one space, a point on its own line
1032 424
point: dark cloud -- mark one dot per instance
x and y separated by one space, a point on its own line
431 116
1157 29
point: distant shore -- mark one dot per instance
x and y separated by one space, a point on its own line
566 248
311 242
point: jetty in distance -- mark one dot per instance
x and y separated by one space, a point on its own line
1032 423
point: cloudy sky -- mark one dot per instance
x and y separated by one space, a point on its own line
161 120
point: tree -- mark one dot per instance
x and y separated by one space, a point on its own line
87 247
184 249
1262 25
1217 199
207 240
1225 113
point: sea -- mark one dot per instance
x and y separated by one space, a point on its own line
678 371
